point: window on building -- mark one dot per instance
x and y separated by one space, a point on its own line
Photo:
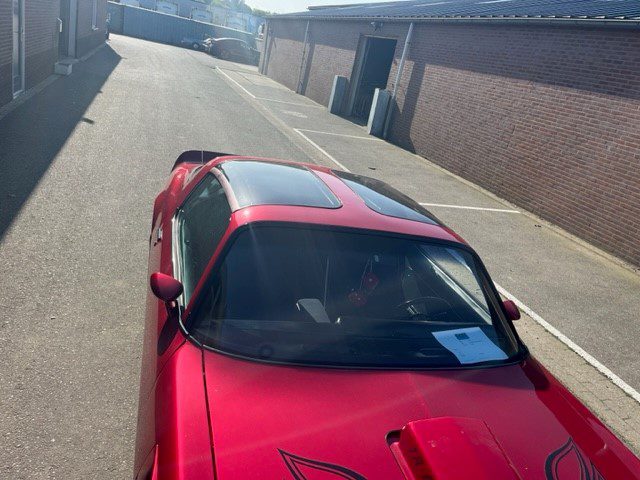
94 14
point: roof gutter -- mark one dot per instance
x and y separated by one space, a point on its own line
584 22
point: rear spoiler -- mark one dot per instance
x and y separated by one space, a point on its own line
198 156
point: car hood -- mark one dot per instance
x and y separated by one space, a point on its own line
286 422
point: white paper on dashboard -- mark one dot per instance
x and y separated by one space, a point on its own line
469 345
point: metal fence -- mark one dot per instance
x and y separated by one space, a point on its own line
116 16
163 28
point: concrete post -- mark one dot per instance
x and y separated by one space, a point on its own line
338 91
378 113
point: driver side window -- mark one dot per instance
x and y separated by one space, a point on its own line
201 223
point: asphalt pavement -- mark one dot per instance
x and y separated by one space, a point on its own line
80 165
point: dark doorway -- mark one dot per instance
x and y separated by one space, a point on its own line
371 71
63 35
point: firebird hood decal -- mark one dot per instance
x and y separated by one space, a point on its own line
566 461
295 462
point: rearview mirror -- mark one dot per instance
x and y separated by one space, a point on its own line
513 313
165 287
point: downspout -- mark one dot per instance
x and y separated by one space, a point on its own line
267 48
265 45
405 51
302 61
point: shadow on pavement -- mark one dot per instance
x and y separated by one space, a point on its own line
32 135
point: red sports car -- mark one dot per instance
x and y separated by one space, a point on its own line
307 323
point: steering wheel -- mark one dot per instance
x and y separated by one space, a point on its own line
427 301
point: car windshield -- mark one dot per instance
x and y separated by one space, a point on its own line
346 298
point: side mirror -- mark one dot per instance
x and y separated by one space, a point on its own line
165 287
512 310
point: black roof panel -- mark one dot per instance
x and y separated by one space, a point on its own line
386 200
257 182
611 9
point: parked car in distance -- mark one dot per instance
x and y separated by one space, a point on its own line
308 323
234 49
194 43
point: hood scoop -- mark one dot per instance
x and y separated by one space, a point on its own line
450 448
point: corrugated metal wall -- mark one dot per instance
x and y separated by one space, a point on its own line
116 15
159 27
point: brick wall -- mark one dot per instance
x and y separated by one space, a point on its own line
328 59
41 39
89 38
331 51
41 43
546 117
284 45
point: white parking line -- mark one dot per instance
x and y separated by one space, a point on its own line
288 103
218 69
321 150
616 380
263 98
359 137
504 210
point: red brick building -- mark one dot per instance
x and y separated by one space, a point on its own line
536 101
32 39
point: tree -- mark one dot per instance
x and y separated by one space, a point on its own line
237 6
261 13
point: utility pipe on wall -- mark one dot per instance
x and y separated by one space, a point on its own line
266 50
405 51
303 61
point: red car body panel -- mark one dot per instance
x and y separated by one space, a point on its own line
208 415
343 417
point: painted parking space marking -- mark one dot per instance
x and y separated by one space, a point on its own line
330 157
234 81
320 149
358 137
587 357
464 207
294 113
288 103
218 69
